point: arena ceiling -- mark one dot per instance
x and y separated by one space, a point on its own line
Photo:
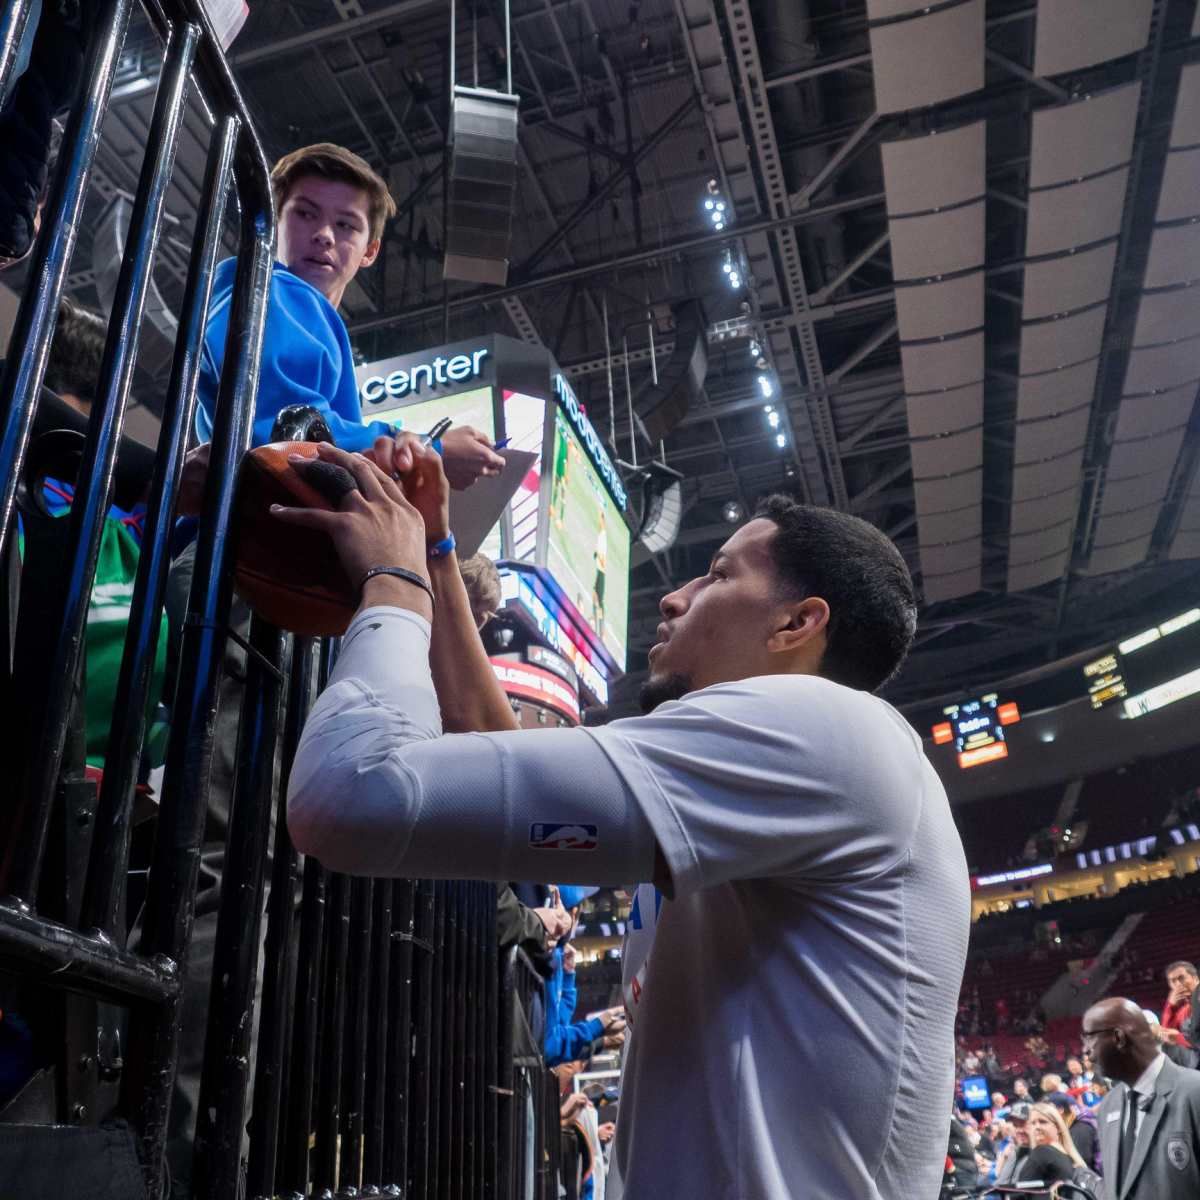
969 235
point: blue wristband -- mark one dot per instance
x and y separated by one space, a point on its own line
437 445
442 548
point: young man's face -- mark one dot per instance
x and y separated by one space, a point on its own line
324 234
716 629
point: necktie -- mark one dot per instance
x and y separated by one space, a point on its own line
1128 1137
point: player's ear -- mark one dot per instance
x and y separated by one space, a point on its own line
798 623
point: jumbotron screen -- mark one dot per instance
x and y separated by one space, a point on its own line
588 542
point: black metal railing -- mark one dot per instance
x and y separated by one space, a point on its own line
362 1035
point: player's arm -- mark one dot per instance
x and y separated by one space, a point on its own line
471 698
375 790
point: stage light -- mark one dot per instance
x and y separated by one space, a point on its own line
780 440
732 511
766 386
709 204
773 420
735 280
727 267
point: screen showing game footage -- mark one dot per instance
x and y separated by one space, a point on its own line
588 541
524 427
473 408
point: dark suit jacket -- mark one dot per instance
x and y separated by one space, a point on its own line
1166 1165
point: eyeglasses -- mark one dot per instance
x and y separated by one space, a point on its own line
1090 1035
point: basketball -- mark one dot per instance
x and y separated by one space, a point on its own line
289 575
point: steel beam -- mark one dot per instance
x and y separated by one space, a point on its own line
855 264
610 185
680 246
883 334
838 161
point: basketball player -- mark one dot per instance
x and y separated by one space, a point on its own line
797 983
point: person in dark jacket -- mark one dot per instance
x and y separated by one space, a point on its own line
1081 1125
44 89
961 1168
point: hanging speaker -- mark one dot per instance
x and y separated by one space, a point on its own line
662 406
483 180
662 507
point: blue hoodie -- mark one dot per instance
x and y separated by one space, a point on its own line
565 1042
306 359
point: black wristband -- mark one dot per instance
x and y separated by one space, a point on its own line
398 573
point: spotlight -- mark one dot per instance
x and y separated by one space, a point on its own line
780 440
720 206
732 511
735 280
727 267
719 225
761 363
773 420
709 204
768 408
755 350
766 386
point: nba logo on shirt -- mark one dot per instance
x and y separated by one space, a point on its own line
544 836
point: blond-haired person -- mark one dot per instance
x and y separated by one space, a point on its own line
1052 1155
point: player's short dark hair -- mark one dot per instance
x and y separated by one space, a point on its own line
860 574
1190 968
76 350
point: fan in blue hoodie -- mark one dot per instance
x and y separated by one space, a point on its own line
565 1039
331 208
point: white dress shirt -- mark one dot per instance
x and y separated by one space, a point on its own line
1146 1086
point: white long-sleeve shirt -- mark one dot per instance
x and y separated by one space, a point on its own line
797 987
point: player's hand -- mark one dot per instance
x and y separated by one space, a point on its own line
467 454
572 1106
420 471
613 1019
374 525
191 481
570 955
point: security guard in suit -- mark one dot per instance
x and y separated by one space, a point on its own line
1149 1122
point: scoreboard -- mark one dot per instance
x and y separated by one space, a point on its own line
976 727
1150 669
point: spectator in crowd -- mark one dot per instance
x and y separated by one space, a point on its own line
72 372
747 785
332 209
1150 1122
566 1039
1183 991
1179 1054
961 1169
1021 1092
1012 1155
1052 1157
1077 1076
1081 1125
1051 1085
483 587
